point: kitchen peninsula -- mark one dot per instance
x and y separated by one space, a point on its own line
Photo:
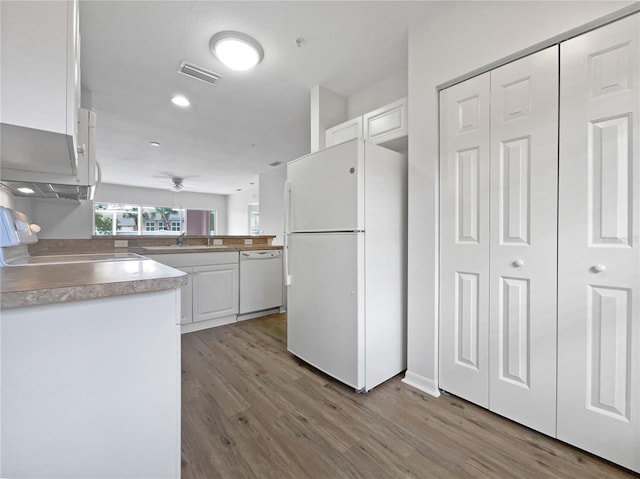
90 357
228 278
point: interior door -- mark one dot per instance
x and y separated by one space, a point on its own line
464 240
326 190
523 233
599 273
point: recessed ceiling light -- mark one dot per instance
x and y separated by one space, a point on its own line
25 190
180 101
154 143
236 50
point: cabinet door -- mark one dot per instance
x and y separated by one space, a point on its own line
523 231
464 239
346 131
599 251
39 53
215 291
186 295
386 123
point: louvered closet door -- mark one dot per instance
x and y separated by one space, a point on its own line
464 239
599 270
523 237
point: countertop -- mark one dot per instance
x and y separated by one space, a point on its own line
185 249
56 283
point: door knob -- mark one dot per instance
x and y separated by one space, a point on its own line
517 263
598 268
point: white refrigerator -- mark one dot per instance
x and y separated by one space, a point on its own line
345 262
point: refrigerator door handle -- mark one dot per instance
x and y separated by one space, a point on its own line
287 230
287 207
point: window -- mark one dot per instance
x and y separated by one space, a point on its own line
212 222
254 223
120 219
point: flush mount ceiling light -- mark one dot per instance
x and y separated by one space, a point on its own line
180 101
25 190
236 50
154 143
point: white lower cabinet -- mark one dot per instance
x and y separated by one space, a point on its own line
211 295
215 291
539 251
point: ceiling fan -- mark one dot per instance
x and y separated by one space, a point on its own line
177 183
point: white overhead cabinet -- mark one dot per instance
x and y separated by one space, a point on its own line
40 86
539 277
349 130
385 126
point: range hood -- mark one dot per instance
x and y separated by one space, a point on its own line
49 190
33 161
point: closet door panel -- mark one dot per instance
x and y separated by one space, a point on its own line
599 270
523 231
464 239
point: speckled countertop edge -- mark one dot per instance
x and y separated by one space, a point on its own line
33 285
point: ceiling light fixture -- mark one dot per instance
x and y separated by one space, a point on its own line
236 50
154 143
25 190
180 101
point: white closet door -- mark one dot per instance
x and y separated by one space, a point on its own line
599 270
523 216
464 239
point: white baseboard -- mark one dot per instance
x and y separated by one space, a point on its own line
210 323
425 385
258 314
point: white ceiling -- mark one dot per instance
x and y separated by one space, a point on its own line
131 51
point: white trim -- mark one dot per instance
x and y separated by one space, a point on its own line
425 385
258 314
209 323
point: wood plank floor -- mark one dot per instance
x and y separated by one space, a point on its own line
252 410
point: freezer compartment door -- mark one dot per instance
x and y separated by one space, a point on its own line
325 309
326 189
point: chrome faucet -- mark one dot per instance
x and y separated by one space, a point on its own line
180 239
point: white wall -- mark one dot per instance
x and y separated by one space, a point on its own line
327 109
384 91
21 204
157 197
457 38
272 203
238 211
63 218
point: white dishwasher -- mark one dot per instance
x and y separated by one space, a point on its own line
261 279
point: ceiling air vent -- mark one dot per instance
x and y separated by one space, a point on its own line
199 73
